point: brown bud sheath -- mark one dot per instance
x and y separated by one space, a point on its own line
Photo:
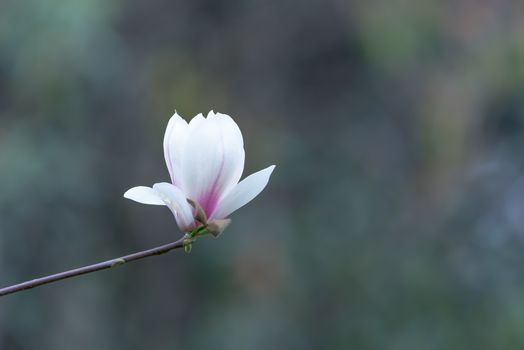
199 212
216 227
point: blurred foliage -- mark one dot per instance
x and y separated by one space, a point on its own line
394 219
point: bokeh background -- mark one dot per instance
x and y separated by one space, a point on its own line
394 218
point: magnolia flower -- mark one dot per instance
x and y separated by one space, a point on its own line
205 159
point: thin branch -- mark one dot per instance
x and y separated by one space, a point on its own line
181 243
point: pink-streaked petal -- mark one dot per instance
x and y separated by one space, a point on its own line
174 143
144 195
175 200
242 193
213 160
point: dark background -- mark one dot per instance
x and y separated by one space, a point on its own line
394 218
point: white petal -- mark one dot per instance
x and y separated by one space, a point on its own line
213 159
174 142
145 195
197 120
175 199
243 193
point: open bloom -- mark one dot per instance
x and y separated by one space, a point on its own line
205 159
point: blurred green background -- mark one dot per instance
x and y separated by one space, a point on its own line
394 218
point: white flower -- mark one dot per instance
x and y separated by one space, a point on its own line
205 159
